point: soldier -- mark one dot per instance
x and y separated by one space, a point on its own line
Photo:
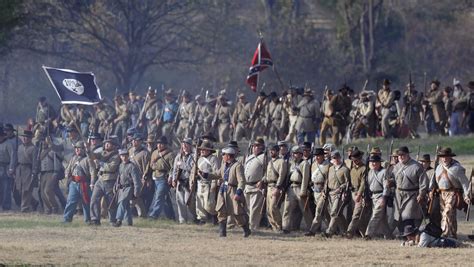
95 143
44 111
411 110
107 163
254 171
166 121
127 187
291 101
357 171
337 110
26 176
338 177
8 159
319 174
241 118
150 114
122 119
385 99
468 114
197 124
365 117
297 192
223 119
103 115
459 104
78 174
231 199
186 113
141 157
412 186
435 99
452 182
275 176
50 172
377 182
209 113
326 110
183 164
308 118
284 151
435 217
83 119
277 118
134 108
161 165
208 167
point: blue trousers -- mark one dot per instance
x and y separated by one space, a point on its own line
123 210
6 192
310 137
75 194
161 200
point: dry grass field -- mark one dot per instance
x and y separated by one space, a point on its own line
39 239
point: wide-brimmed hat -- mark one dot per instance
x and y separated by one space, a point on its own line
409 230
275 148
162 140
229 150
187 140
308 92
259 142
137 136
375 158
206 145
123 152
357 154
335 154
425 158
306 145
233 144
436 82
150 139
95 136
282 143
27 133
446 152
113 139
318 152
403 150
386 82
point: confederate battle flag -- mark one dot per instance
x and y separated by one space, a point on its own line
260 61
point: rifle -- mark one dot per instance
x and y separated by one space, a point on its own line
142 111
468 211
424 83
216 115
366 194
418 154
195 117
435 188
264 190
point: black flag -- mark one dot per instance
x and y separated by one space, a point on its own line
74 87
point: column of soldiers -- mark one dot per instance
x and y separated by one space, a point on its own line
281 185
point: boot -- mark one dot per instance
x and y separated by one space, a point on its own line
247 231
223 229
214 220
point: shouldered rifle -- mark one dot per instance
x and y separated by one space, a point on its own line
435 186
470 196
178 113
216 114
142 111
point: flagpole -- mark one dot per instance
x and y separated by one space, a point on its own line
273 67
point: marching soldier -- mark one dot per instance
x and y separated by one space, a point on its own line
150 114
336 111
50 168
241 118
277 117
291 101
141 157
453 185
377 182
365 116
231 199
166 121
208 167
275 175
8 155
326 110
102 185
385 100
186 109
103 115
435 217
122 119
258 119
161 165
78 174
223 119
254 171
25 177
297 193
338 177
127 186
197 123
209 113
412 186
319 174
308 118
183 164
357 171
435 99
44 111
411 110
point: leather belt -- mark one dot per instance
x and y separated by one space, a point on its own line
408 190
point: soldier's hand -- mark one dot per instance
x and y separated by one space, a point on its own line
260 185
92 186
419 199
303 194
173 184
382 202
430 195
276 193
237 197
358 197
467 200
